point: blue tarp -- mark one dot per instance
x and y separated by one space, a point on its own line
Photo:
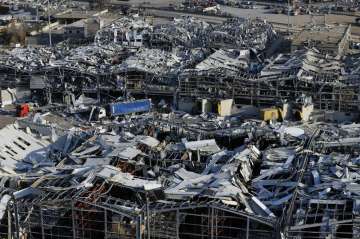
123 108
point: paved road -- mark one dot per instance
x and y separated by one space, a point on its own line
172 14
153 3
296 21
300 20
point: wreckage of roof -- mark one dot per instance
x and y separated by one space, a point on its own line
121 29
310 67
257 182
115 175
159 62
17 149
186 31
148 141
128 153
242 33
230 60
203 145
27 59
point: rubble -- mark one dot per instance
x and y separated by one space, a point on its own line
90 59
159 62
187 32
192 165
237 33
127 31
27 59
230 60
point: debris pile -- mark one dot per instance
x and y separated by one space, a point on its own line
326 203
158 62
238 33
27 59
91 59
231 60
150 173
160 167
127 31
187 32
307 65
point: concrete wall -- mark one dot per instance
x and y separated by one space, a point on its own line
74 32
225 107
92 25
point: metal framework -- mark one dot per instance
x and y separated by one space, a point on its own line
264 91
79 219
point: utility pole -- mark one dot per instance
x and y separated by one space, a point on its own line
37 12
288 13
49 22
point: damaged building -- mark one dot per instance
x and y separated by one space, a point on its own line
178 176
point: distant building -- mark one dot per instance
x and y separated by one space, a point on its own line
70 16
327 39
85 28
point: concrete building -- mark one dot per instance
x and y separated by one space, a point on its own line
85 28
329 39
70 16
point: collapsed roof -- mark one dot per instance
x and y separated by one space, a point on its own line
186 31
242 34
123 31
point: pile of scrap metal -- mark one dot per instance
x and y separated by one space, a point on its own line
126 31
27 59
162 175
232 61
127 53
19 65
62 68
158 62
142 175
326 203
186 31
155 70
55 5
352 64
307 65
91 59
286 76
239 33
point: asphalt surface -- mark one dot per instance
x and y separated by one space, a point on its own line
173 14
6 120
153 3
299 20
